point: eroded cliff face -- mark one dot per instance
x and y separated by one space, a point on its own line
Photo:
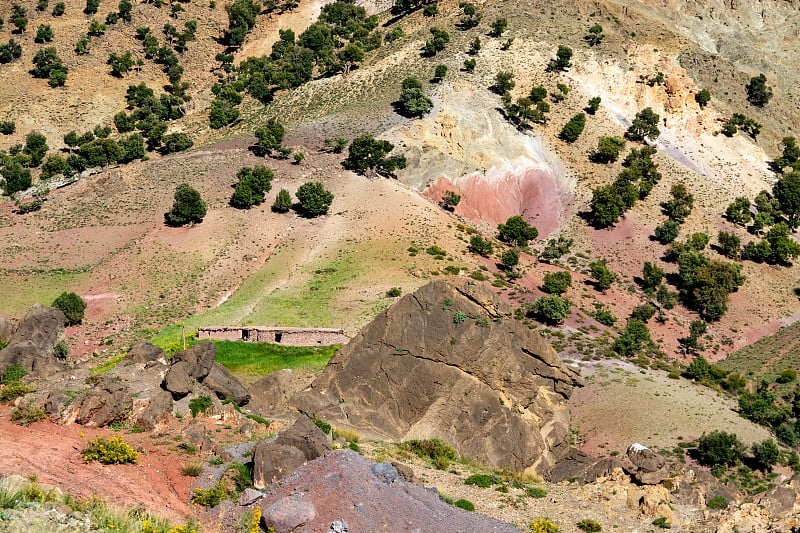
449 361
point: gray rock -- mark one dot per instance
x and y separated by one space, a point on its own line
645 458
6 329
178 381
288 514
386 472
108 401
779 500
446 377
249 496
273 462
158 411
601 468
198 359
226 385
306 437
339 526
144 352
646 477
268 395
33 342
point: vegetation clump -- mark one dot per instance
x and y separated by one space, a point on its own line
112 451
433 449
72 306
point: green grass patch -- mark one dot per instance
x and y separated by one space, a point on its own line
21 290
106 366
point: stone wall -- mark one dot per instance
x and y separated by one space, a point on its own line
287 336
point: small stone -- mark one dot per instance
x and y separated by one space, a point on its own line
339 526
386 472
249 496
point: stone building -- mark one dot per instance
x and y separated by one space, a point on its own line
275 335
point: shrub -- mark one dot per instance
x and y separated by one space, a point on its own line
481 480
314 198
434 449
187 208
464 504
765 454
114 451
662 522
199 405
543 525
535 492
394 292
758 92
13 374
557 282
479 245
573 129
25 415
210 497
719 448
12 391
667 232
787 376
589 525
192 468
551 309
283 202
72 306
717 502
608 149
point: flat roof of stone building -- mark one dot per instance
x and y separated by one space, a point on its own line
272 328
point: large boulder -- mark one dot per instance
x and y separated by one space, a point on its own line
33 343
198 359
144 352
157 412
343 490
275 459
6 329
651 467
226 385
108 401
448 361
268 395
177 380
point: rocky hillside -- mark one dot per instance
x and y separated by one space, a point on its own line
449 362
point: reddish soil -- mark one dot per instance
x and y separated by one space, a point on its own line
534 193
53 453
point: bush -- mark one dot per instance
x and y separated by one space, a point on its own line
765 454
72 306
717 502
483 481
662 522
314 198
433 449
115 451
758 92
283 202
479 245
394 292
608 149
25 415
13 374
464 504
210 497
787 376
557 282
590 526
543 525
573 129
535 492
192 469
719 448
551 309
187 208
12 391
667 232
198 405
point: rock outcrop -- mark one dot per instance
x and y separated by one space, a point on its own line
33 343
448 361
275 459
345 491
651 467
